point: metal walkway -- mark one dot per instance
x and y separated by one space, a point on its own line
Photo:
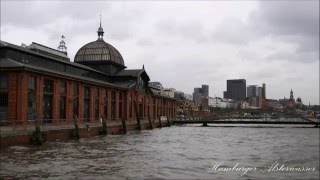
233 120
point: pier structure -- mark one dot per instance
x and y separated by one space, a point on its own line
236 120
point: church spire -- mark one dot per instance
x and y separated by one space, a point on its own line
100 31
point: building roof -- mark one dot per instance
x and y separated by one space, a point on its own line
125 84
129 72
42 59
48 51
52 58
132 73
98 51
80 72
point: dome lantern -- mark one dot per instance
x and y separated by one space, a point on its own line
100 30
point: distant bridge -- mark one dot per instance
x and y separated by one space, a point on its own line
241 120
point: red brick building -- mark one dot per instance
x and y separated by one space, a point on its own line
38 80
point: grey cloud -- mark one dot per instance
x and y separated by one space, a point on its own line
145 42
290 22
76 18
288 17
189 30
298 19
233 31
287 56
33 14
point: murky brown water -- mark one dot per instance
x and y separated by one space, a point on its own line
178 152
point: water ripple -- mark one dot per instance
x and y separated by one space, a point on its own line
184 152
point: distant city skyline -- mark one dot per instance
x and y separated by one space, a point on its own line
192 43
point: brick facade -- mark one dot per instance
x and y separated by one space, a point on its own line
18 99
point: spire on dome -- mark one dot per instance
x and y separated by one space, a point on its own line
100 30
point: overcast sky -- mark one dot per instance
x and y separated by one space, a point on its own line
184 44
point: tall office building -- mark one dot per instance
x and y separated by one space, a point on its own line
197 90
254 91
205 90
259 91
264 91
236 89
199 93
225 96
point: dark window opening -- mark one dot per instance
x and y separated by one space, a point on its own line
86 104
48 86
3 106
120 105
154 108
148 107
3 82
140 110
96 108
97 92
63 87
62 107
96 103
47 100
31 97
105 108
76 90
75 100
63 93
113 104
130 105
159 107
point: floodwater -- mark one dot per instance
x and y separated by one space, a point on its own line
176 152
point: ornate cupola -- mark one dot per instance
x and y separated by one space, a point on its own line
62 46
100 55
100 31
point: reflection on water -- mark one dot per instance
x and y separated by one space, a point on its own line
184 152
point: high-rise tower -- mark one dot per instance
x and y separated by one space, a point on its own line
263 91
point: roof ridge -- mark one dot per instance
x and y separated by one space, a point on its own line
46 47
